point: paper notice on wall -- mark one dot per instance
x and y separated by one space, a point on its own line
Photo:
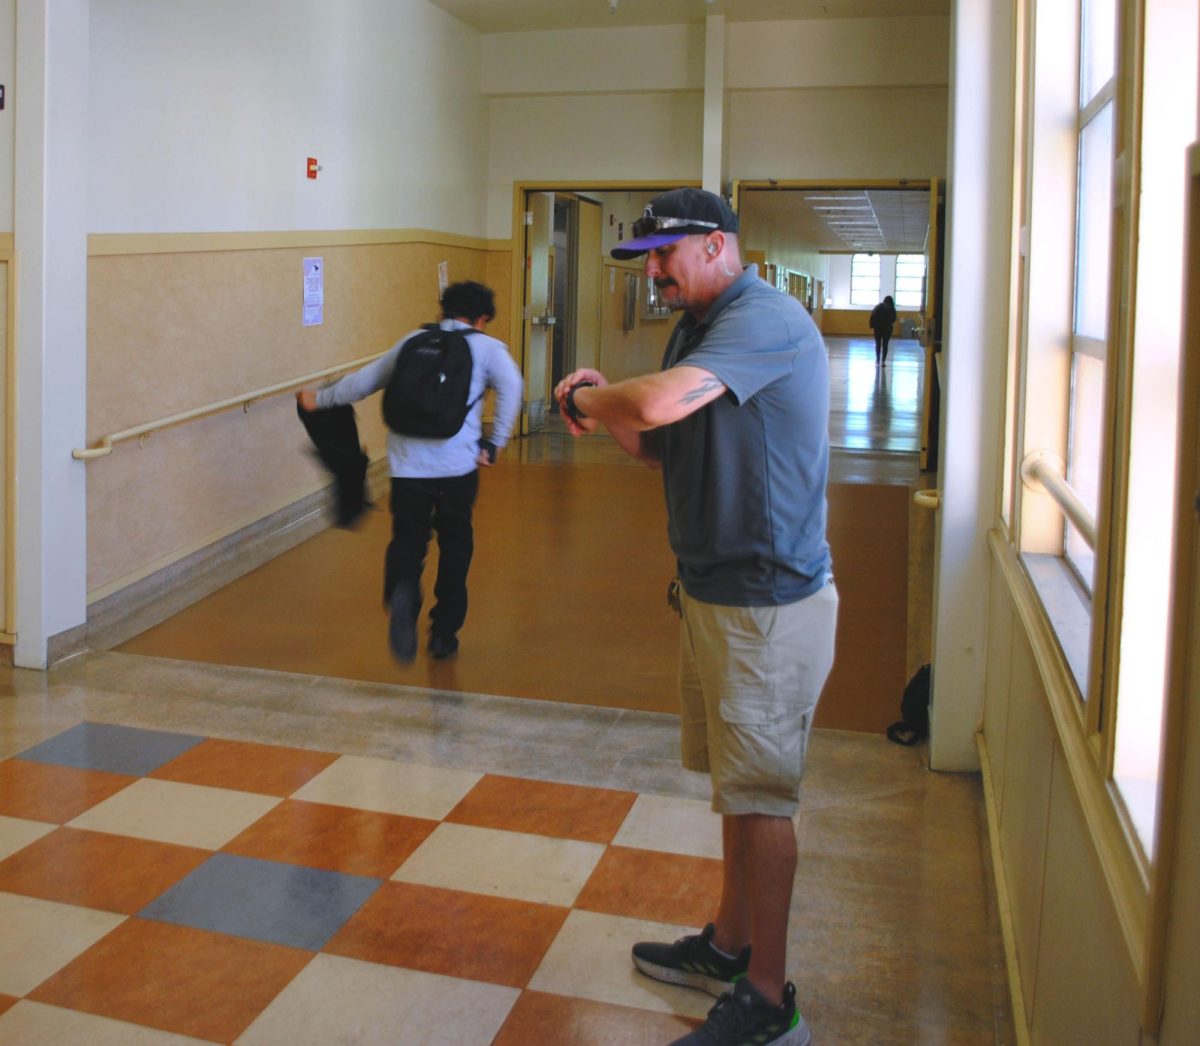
314 291
443 277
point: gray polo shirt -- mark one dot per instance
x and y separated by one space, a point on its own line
745 475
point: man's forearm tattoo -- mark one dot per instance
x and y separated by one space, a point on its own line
701 390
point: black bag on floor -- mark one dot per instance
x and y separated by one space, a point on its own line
334 433
914 708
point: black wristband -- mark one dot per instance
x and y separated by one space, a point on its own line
573 412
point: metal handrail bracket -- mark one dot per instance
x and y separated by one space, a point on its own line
1044 471
143 431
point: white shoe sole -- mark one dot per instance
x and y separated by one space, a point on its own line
668 975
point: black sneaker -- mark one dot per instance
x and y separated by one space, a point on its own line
441 647
691 961
402 626
742 1017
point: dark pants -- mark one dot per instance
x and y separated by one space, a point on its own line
420 506
882 337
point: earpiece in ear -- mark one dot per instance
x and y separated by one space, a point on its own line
712 248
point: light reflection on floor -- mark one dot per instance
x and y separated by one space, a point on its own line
874 419
870 407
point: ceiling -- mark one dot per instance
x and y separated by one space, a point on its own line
515 16
876 220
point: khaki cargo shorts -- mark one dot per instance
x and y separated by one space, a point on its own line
749 680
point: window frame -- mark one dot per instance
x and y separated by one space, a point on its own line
856 298
1041 346
911 259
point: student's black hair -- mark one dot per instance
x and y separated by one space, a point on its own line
468 301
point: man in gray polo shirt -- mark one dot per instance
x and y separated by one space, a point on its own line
738 421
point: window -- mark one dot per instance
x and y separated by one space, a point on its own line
864 279
910 281
1092 393
1093 231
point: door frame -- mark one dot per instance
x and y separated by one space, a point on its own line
519 287
934 281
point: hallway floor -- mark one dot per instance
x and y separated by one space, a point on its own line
198 851
570 570
235 855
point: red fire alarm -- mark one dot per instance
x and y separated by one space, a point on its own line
313 167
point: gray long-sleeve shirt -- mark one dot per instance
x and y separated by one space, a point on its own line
412 458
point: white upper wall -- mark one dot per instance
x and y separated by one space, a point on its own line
842 52
650 58
574 139
844 133
839 99
203 112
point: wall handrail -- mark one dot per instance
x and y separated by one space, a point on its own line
106 444
1044 471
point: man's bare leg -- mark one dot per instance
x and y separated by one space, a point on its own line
756 896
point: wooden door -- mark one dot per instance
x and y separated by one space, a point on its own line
539 229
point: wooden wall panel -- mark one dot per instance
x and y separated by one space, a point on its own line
1026 769
1086 990
175 331
1071 957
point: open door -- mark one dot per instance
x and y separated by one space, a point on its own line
539 317
931 325
587 275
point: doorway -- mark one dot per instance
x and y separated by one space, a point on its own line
561 306
805 237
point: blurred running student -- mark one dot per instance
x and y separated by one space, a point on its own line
435 480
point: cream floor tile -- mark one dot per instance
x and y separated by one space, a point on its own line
336 1000
35 1024
170 812
40 937
16 833
678 826
504 864
388 787
590 959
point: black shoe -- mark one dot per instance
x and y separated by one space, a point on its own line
441 647
743 1016
402 626
691 961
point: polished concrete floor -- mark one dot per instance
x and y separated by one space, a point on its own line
194 852
570 569
201 853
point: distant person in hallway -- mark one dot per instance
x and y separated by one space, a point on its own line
737 419
883 319
435 481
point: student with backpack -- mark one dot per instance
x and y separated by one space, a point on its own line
434 381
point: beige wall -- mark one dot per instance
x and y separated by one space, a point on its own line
169 332
626 354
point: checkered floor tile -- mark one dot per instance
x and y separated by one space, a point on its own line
158 887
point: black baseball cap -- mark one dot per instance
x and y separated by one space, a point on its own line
673 215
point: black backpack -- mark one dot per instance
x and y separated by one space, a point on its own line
427 393
914 707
